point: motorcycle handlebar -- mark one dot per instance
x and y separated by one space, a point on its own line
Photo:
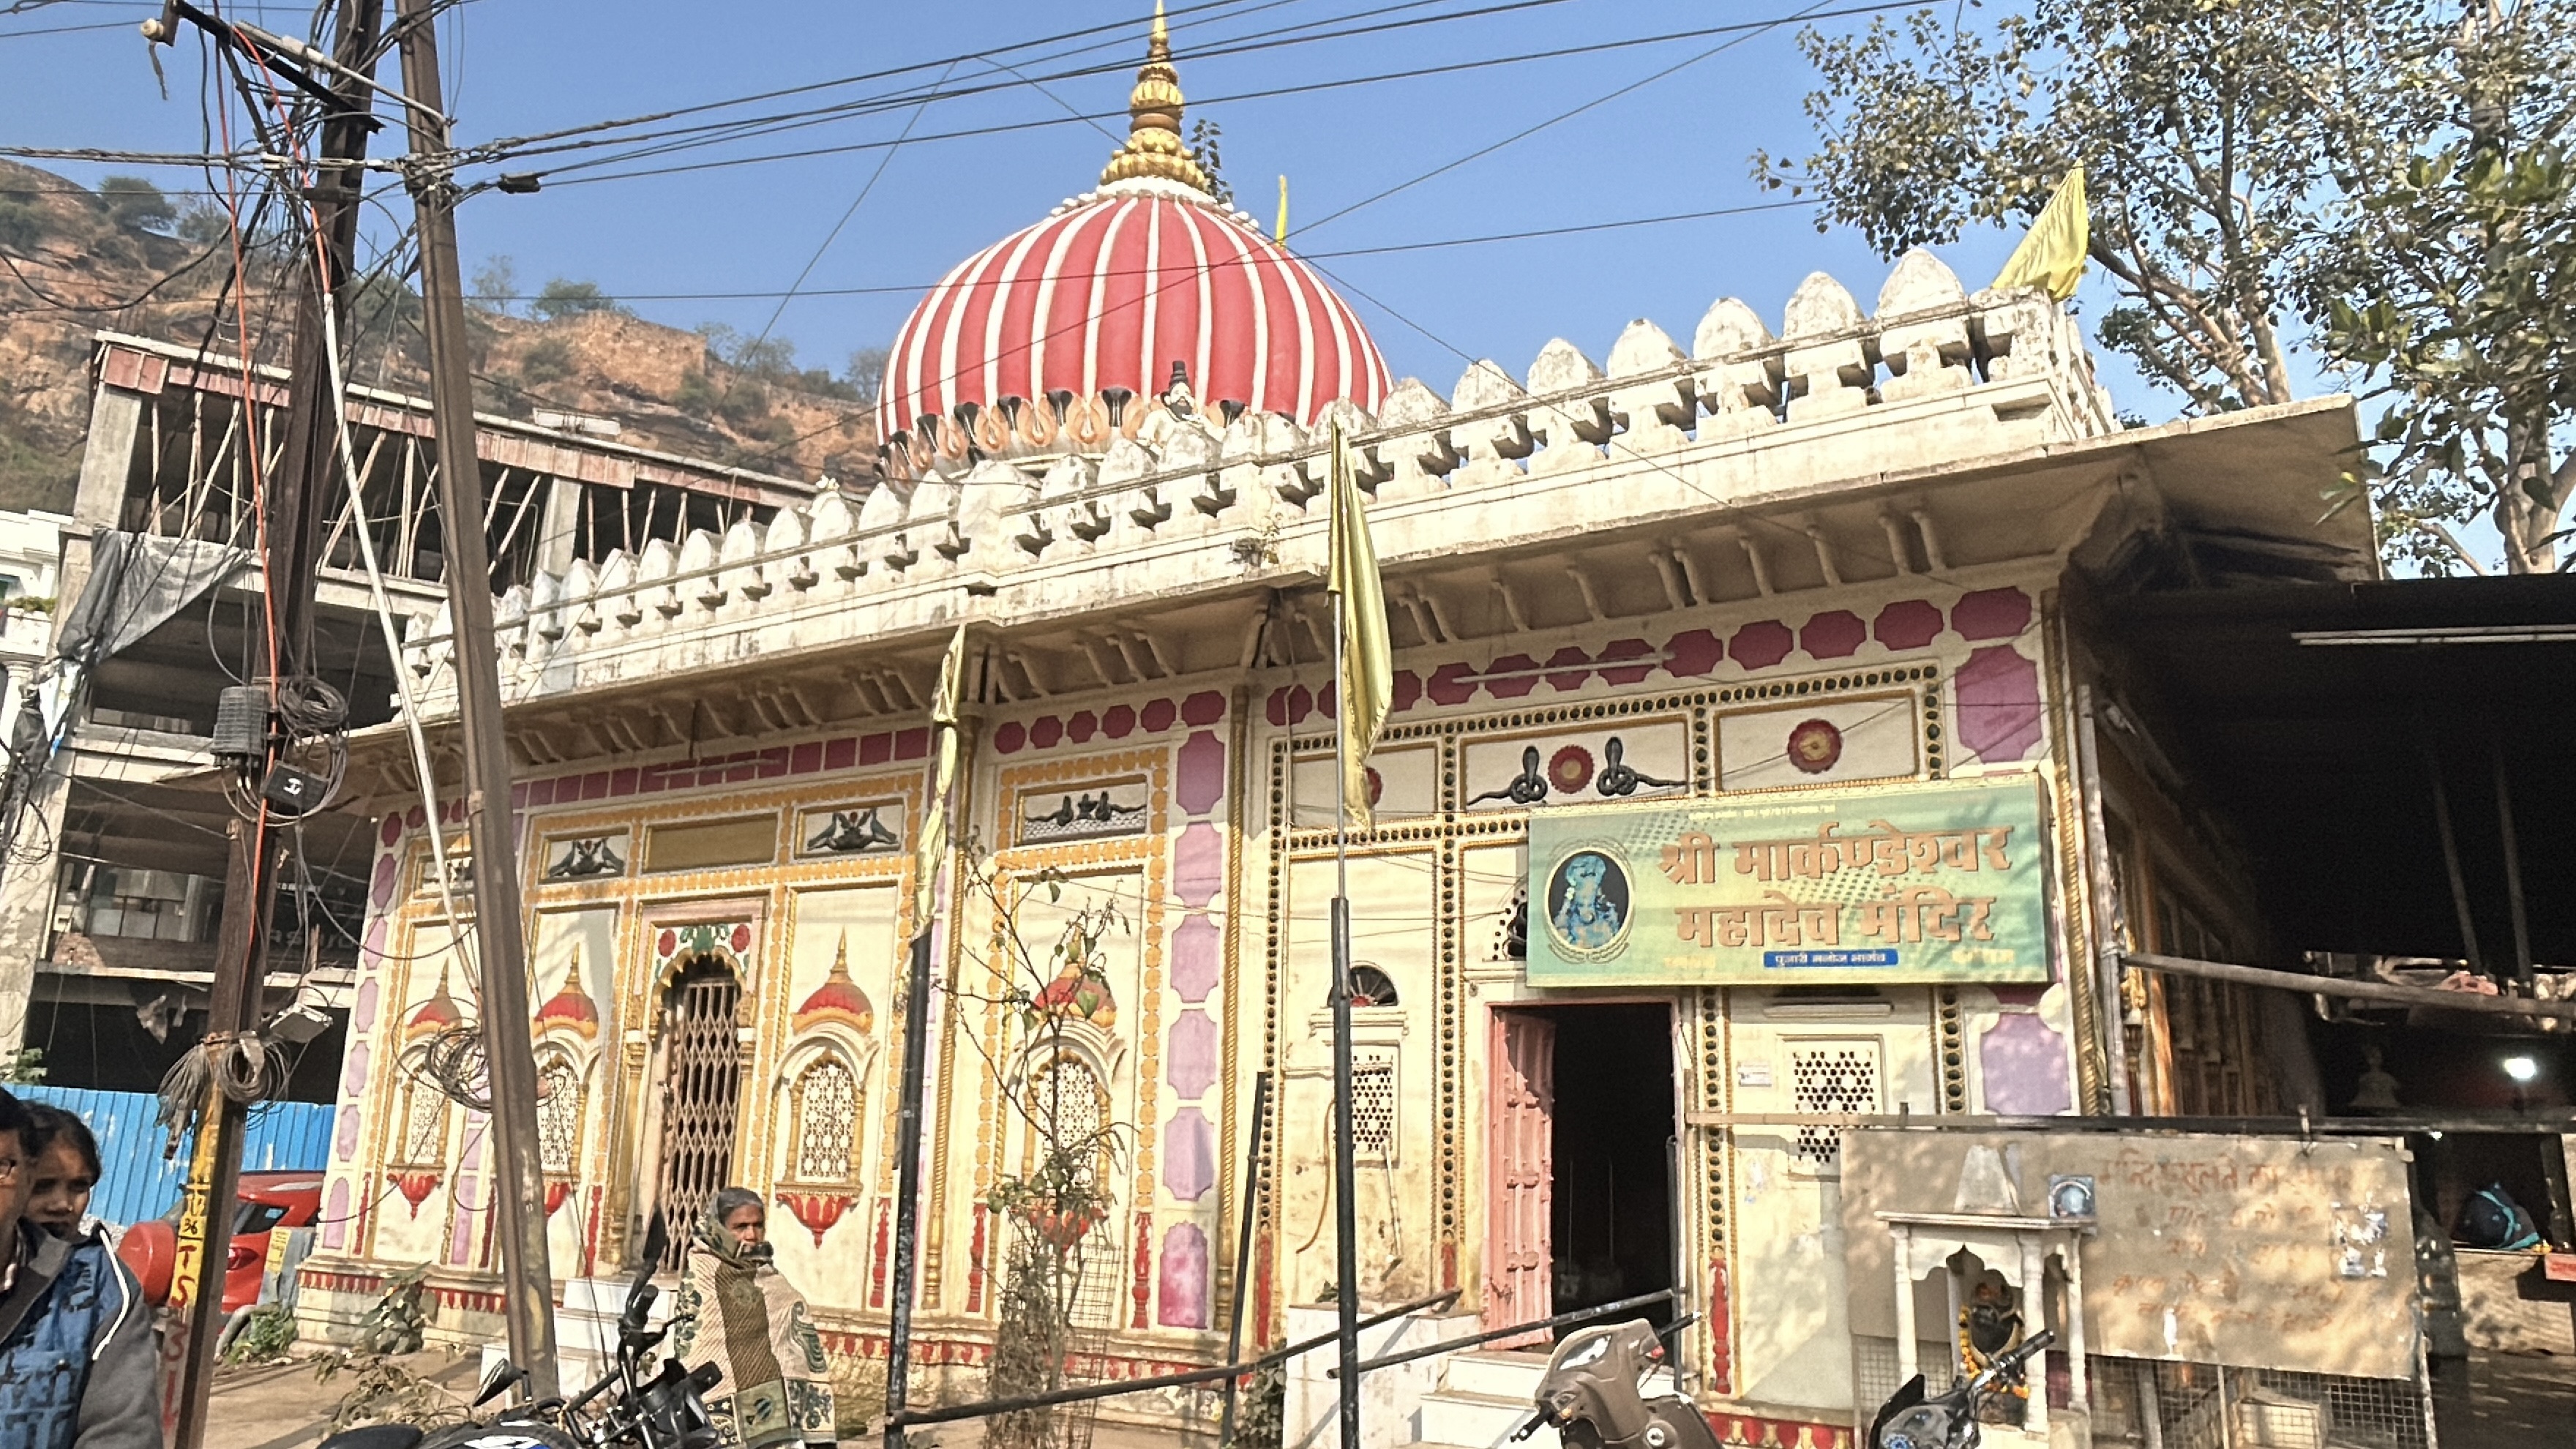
2021 1353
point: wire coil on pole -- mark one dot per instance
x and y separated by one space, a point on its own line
246 1067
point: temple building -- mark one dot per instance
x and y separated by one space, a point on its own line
1757 758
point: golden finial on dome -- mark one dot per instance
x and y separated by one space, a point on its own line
1154 148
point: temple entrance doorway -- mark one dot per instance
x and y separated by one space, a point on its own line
701 1095
1582 1189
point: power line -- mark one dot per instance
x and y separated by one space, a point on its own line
1179 278
514 144
66 29
714 132
883 161
1743 34
557 177
908 289
249 161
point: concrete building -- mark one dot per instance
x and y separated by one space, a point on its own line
112 891
30 549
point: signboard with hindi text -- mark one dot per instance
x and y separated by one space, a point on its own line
1943 881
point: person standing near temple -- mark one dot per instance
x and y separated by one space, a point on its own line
738 1312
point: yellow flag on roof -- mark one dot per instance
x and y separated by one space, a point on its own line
931 849
2051 257
1367 683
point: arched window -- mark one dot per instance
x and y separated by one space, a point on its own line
1067 1108
559 1103
828 1106
1069 1113
424 1124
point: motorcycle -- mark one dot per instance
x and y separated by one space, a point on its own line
624 1410
1908 1420
1592 1393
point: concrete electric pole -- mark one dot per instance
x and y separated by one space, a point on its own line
509 1055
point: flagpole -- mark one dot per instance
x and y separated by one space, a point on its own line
1345 1157
930 854
1360 709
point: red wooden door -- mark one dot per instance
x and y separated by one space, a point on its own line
1520 1112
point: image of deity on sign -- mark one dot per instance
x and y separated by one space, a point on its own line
1587 901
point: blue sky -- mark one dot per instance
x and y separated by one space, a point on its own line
1679 144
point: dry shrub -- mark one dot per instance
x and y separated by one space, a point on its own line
858 1394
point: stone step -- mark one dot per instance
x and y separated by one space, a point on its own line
1496 1373
605 1298
1504 1374
1477 1421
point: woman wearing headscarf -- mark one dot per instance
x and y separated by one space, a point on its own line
738 1312
62 1174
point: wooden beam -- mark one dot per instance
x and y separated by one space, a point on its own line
2306 985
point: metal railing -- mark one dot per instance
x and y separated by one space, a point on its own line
988 1407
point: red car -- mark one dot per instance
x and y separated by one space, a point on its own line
269 1201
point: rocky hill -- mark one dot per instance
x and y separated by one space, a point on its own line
74 262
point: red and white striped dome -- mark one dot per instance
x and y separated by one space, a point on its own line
1114 287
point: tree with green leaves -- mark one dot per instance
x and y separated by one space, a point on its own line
867 370
137 204
496 286
563 297
2265 174
2451 283
2199 150
203 223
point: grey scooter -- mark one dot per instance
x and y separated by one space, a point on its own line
1591 1394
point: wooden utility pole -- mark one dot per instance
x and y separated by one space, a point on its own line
508 1047
201 1259
293 515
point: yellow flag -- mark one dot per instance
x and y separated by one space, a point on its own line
2052 255
1281 232
1367 684
930 848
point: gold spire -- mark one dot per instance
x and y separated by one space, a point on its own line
572 985
1154 147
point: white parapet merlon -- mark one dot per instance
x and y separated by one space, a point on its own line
1180 499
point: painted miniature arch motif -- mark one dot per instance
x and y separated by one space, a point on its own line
827 1098
1064 1097
420 1125
678 948
562 1093
826 1074
420 1129
1065 1103
567 1026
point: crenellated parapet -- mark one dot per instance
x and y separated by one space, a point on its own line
1054 507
